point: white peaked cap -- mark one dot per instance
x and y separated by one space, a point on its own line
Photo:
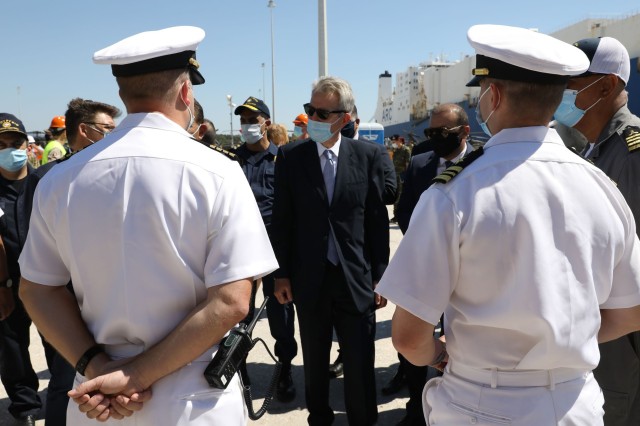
152 51
520 54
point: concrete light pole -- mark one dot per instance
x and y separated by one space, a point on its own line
271 6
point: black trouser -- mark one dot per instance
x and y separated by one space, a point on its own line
416 378
281 322
61 382
335 309
618 374
16 371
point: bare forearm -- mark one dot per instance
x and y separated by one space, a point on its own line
413 338
205 326
55 313
616 323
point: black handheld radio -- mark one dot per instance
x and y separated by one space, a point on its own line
232 351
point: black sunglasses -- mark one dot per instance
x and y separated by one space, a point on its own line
322 114
440 131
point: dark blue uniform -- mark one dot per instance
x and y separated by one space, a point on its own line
259 168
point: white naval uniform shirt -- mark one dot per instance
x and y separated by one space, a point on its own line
520 251
143 223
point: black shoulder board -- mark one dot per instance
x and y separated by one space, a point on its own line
631 136
454 170
575 151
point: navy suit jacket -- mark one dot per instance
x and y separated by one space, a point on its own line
418 177
302 219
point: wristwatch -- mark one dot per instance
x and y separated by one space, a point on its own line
84 360
6 283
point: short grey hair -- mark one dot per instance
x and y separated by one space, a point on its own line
337 86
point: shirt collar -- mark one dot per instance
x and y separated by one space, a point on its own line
537 134
335 148
456 158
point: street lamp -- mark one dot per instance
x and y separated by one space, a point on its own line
272 5
231 107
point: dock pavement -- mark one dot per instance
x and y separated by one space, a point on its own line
260 365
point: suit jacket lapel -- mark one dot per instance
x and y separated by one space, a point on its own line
344 165
312 161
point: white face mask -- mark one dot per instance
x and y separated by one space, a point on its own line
251 133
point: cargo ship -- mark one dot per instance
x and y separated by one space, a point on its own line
404 108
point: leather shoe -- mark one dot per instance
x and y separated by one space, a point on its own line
336 369
29 420
286 391
395 384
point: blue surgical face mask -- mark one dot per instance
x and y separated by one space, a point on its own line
483 124
12 159
567 112
251 133
319 131
297 131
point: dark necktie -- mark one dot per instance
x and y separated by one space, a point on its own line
329 175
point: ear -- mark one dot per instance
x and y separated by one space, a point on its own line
466 131
184 92
495 95
201 131
346 118
609 84
267 123
82 130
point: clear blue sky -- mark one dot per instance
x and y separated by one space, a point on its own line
47 46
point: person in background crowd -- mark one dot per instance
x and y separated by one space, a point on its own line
278 134
198 127
17 374
34 152
54 148
300 127
529 250
401 156
209 135
86 122
258 156
175 223
330 233
595 104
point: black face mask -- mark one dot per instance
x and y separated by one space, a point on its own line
349 130
445 146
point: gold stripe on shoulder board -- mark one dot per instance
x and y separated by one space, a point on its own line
631 136
455 170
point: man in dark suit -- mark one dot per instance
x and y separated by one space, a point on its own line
448 133
350 130
449 119
331 238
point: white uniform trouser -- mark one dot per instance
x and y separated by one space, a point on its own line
180 399
454 400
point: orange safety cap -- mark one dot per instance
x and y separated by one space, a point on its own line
301 119
58 122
